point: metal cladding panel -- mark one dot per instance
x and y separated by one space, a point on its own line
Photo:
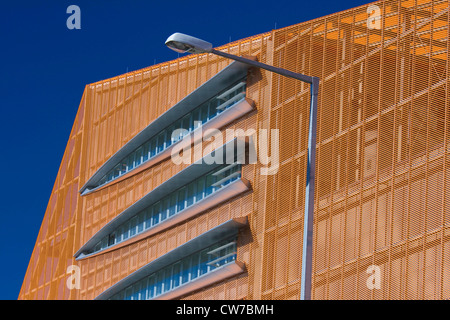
382 193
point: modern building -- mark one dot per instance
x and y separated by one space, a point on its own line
128 220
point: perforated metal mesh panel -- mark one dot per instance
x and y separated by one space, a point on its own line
382 167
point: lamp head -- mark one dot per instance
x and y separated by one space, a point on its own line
182 43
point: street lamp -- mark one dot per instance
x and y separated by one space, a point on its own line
184 43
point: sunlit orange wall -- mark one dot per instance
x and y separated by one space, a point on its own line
382 196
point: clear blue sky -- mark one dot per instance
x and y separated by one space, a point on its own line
45 66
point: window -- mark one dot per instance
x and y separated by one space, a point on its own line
172 204
181 199
156 213
190 194
163 140
181 272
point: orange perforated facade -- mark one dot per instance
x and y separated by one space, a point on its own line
382 171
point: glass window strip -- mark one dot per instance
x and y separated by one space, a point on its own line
168 206
235 88
231 101
216 173
226 180
180 272
214 251
220 259
163 140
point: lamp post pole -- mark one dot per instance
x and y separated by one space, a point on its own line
184 43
